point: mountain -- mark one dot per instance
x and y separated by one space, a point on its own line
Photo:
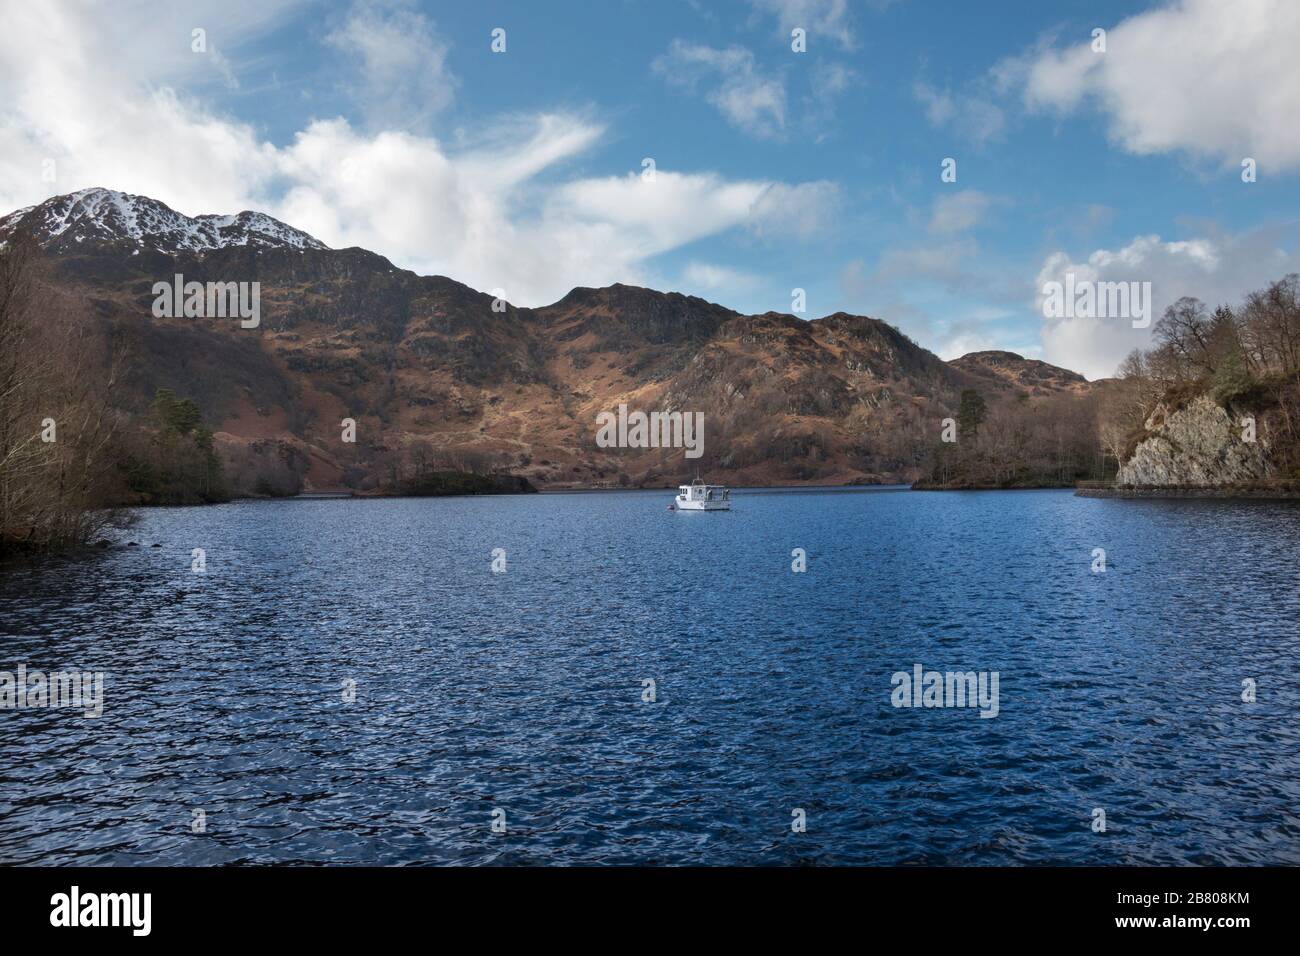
106 216
1007 369
431 372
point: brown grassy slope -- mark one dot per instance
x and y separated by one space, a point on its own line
425 362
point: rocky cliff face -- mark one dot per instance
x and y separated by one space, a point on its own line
1199 444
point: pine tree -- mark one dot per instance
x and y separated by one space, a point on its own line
970 414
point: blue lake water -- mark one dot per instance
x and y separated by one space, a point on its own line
484 696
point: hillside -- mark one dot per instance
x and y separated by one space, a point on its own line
435 377
1011 371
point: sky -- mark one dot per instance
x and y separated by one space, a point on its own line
687 146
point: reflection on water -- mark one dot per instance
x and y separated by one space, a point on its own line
523 691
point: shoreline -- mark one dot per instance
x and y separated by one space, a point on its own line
1220 492
965 487
1276 490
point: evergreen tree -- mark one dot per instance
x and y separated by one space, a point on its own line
1231 379
970 414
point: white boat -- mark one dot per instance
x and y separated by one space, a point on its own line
697 496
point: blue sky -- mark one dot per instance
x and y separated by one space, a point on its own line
393 125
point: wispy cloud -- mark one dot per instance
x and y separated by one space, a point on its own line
706 277
973 114
731 81
958 212
404 80
828 19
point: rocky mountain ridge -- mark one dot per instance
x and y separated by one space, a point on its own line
429 370
107 216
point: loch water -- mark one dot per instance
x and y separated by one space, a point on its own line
350 681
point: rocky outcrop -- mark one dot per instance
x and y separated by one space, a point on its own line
1198 444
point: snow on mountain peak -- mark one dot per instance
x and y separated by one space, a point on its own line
106 215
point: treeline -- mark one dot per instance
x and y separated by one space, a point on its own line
72 457
421 469
58 430
168 458
1018 442
1246 358
79 447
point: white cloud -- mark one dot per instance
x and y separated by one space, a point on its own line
750 101
661 213
496 211
95 91
481 217
1216 269
1212 79
405 80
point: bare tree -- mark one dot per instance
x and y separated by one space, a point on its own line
1185 334
1270 326
56 424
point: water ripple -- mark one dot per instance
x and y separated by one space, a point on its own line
523 691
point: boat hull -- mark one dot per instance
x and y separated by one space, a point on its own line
686 505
